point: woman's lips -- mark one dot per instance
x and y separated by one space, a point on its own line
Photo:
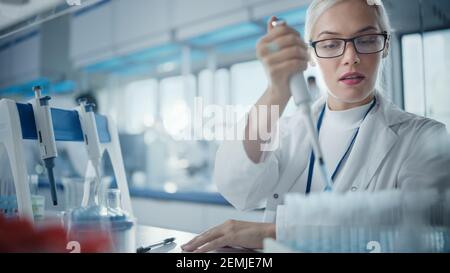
352 82
352 79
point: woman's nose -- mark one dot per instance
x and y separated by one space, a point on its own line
350 55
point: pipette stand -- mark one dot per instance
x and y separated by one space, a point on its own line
17 123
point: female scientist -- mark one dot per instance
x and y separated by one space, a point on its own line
369 144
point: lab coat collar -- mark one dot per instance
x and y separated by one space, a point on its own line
388 113
376 138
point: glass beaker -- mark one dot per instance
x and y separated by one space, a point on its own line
74 188
73 192
86 218
122 225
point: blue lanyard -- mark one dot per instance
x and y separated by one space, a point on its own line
312 158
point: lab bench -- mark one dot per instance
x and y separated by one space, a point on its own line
186 196
147 235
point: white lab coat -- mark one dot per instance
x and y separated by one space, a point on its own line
394 149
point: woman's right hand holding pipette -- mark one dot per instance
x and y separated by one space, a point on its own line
282 53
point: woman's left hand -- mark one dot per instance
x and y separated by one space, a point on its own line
232 233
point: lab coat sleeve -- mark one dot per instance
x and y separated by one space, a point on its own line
428 162
242 182
282 224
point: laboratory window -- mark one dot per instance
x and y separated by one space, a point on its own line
426 62
214 90
249 82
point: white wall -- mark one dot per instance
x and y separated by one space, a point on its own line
21 62
5 65
187 216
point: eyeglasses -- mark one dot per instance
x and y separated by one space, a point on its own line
364 44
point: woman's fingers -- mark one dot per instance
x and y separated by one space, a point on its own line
281 43
282 70
282 53
215 244
231 233
212 234
287 54
202 239
278 32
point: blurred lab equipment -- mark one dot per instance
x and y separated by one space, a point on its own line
122 225
11 135
74 188
20 125
393 220
110 219
46 137
8 201
49 239
91 140
313 88
134 154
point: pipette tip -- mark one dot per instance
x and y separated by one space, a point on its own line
49 164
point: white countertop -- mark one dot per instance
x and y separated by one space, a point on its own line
147 235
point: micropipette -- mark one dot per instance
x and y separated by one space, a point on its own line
46 137
302 99
92 142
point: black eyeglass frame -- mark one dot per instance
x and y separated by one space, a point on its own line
352 40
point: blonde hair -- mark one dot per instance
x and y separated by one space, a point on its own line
318 7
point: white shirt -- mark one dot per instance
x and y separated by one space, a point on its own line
336 133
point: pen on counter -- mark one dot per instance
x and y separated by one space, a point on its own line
148 248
